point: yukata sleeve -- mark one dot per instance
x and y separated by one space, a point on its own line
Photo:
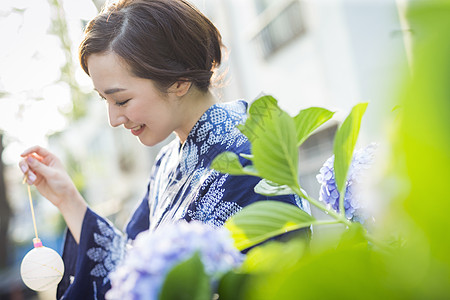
223 195
88 263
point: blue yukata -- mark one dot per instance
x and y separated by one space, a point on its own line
181 186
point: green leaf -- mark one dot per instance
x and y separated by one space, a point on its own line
246 156
261 109
329 274
344 143
309 120
228 162
268 188
263 220
274 256
354 235
187 281
274 142
232 286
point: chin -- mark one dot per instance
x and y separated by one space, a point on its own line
149 142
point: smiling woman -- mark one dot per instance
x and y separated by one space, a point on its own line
152 61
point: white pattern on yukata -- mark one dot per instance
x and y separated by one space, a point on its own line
109 250
210 209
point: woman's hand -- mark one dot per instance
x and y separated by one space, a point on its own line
47 173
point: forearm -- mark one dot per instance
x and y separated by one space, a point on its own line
73 210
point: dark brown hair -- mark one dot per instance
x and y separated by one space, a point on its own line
162 40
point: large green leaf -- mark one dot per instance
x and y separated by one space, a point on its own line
274 142
228 162
344 144
268 188
187 281
309 120
232 285
263 220
348 273
261 109
274 256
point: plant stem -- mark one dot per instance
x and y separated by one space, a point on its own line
339 217
341 201
326 222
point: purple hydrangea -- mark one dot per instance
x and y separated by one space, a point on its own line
143 271
362 160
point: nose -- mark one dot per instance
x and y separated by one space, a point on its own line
116 118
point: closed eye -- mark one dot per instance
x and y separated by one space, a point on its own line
122 103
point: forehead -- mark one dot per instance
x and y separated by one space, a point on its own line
107 70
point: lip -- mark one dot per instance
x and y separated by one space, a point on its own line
138 130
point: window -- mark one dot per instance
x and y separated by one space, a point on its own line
277 25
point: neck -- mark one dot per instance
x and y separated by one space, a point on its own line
193 105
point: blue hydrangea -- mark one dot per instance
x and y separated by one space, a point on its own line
154 254
362 160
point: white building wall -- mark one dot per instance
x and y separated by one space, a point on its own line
349 54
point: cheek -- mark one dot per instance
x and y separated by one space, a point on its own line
138 113
158 114
152 112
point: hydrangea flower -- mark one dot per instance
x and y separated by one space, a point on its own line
154 254
362 160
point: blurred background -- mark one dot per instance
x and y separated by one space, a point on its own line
328 53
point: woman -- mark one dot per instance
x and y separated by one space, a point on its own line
152 61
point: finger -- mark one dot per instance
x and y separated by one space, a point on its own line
23 166
26 170
38 167
30 150
37 156
30 178
36 151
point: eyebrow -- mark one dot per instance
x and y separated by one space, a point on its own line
114 90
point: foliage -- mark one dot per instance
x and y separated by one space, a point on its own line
344 145
60 29
265 220
187 286
274 136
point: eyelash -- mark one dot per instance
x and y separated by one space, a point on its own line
117 103
122 103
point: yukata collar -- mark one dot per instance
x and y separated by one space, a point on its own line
214 132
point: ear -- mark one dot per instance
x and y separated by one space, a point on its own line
180 88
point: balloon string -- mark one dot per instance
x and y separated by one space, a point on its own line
31 206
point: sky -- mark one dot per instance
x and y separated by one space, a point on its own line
34 100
